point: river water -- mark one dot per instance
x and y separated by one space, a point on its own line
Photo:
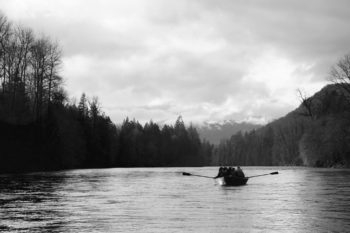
162 200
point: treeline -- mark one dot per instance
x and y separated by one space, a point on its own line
151 145
315 134
81 136
41 130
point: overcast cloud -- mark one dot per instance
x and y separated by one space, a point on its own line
204 59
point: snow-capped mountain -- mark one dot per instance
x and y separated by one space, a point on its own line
215 131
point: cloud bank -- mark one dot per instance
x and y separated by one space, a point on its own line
204 60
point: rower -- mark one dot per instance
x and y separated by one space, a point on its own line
239 172
221 173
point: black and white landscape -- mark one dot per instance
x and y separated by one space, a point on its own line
109 107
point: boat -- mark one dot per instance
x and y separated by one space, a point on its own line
232 180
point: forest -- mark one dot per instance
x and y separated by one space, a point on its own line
40 129
317 134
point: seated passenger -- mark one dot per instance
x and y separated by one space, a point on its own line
225 171
231 171
239 172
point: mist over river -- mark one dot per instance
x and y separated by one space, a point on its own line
162 200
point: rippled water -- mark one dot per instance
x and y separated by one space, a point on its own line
162 200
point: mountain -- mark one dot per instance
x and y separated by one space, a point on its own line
317 133
214 132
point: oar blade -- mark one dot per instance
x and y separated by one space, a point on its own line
186 174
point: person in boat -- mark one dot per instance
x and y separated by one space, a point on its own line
231 171
239 172
221 172
224 171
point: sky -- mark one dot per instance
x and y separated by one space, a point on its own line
205 60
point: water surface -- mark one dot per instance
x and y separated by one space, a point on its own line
162 200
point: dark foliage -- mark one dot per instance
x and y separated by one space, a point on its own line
65 139
40 130
149 145
314 135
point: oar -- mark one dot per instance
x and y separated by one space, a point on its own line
272 173
189 174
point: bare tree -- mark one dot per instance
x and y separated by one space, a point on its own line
45 62
340 73
54 80
20 47
5 32
306 102
39 60
25 39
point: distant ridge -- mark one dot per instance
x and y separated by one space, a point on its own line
214 132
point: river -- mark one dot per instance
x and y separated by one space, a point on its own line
163 200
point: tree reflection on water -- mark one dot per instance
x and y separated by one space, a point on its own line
32 202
